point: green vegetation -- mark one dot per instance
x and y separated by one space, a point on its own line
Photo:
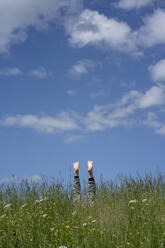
128 214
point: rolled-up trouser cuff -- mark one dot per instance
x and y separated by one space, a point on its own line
76 177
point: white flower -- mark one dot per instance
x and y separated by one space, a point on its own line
44 215
38 201
132 201
2 216
144 200
62 247
85 224
41 199
7 206
74 212
24 205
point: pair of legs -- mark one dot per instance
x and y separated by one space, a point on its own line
91 183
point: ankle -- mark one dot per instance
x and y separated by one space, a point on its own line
90 174
76 173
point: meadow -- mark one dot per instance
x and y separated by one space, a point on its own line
126 214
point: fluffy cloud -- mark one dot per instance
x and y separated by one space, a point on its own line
153 31
153 122
95 29
99 118
11 72
16 179
158 71
131 4
63 122
82 67
40 73
108 116
154 96
15 19
87 28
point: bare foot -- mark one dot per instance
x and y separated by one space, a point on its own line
90 168
76 168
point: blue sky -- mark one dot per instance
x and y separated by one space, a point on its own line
81 80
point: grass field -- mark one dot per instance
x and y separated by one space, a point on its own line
128 214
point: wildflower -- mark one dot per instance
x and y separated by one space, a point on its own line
7 206
2 216
84 224
74 212
144 200
132 201
38 201
43 199
23 206
44 215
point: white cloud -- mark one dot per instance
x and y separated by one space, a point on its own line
99 119
11 72
112 115
87 28
40 73
7 180
131 4
82 67
154 96
15 19
153 31
158 71
16 179
92 28
35 178
63 122
122 113
152 121
71 92
74 139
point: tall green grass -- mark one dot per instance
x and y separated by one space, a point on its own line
130 213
